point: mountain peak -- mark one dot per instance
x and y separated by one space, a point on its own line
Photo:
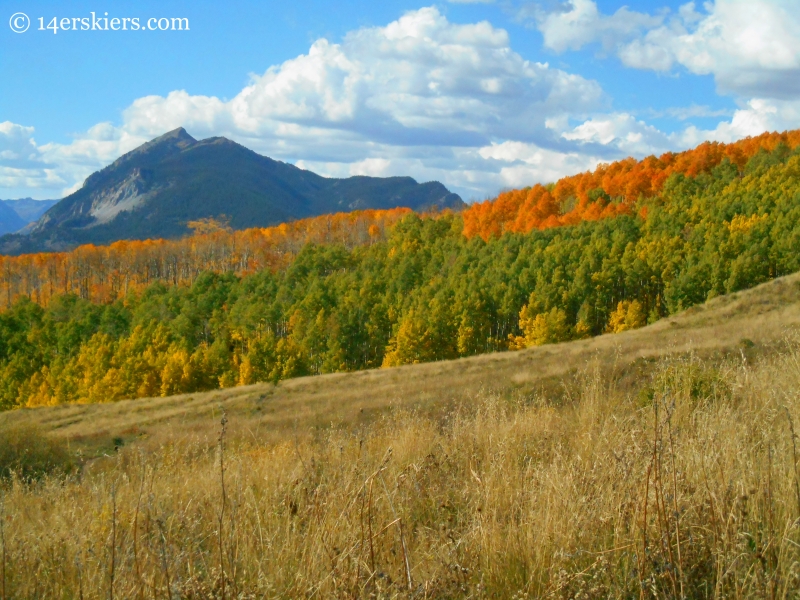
155 150
155 189
177 139
178 135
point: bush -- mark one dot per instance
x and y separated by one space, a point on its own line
30 454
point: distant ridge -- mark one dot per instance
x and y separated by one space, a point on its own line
16 214
154 190
10 221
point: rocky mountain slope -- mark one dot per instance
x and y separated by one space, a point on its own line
16 214
156 189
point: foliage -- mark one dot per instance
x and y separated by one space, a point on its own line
351 292
583 492
614 189
159 188
540 328
107 273
628 315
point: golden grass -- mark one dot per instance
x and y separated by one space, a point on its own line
759 316
584 470
686 488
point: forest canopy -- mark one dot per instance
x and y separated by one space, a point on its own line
606 251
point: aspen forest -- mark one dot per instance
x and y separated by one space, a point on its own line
599 252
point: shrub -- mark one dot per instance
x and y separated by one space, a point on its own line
30 454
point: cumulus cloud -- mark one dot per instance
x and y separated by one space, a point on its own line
624 132
751 48
579 22
420 80
756 117
419 96
521 164
17 147
634 137
21 164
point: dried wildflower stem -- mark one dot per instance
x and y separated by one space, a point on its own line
402 536
405 557
363 494
675 503
113 541
794 457
164 560
137 566
3 542
369 528
80 577
223 499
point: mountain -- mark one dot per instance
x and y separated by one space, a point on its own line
387 288
15 215
154 190
29 209
10 221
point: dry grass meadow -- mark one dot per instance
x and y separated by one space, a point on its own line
661 462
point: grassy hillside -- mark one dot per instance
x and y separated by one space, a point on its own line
658 462
748 323
416 289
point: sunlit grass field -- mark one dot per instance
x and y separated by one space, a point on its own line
660 462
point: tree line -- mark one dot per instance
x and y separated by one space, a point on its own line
419 288
105 273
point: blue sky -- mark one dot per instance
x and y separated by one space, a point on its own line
479 95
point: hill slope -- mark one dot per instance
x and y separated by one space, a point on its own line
667 479
381 288
29 209
154 190
16 214
10 221
747 323
620 188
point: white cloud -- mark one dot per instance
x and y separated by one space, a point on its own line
751 48
419 96
622 131
579 22
527 163
21 164
420 80
17 147
636 138
758 116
